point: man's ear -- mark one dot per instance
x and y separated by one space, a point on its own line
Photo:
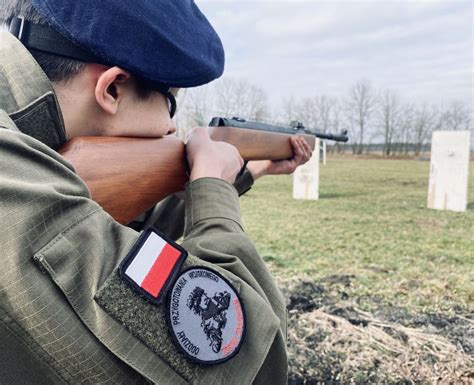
109 89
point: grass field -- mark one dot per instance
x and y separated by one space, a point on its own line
371 221
370 246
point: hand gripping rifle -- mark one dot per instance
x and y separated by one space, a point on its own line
127 176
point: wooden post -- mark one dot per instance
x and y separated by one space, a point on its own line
449 170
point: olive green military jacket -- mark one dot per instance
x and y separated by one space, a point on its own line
65 315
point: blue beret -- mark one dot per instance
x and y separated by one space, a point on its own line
161 41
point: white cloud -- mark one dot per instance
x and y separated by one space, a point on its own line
422 48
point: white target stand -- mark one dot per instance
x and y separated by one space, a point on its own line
449 170
306 178
323 151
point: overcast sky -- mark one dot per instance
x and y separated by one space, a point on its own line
422 49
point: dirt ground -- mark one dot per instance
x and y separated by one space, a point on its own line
333 341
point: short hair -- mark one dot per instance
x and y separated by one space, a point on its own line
57 68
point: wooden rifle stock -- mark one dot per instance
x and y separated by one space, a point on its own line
127 176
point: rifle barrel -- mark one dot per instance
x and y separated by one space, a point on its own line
342 137
242 123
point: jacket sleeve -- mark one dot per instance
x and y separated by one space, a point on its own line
214 233
168 215
51 225
58 247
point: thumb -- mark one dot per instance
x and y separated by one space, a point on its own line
200 133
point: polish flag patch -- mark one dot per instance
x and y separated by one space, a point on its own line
153 264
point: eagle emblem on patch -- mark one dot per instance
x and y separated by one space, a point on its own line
152 265
205 316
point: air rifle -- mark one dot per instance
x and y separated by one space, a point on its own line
127 176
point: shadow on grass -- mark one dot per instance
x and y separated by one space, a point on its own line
337 195
470 206
277 261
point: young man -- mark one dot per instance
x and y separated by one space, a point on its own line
84 299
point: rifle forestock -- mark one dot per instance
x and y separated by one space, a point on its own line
127 176
257 144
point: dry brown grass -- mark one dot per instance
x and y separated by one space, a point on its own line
380 349
331 341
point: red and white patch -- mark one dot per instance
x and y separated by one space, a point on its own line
152 264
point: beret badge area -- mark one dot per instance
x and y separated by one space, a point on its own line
205 316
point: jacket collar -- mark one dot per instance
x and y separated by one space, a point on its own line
26 94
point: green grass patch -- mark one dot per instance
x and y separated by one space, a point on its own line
371 221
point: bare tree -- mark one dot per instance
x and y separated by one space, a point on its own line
354 134
240 98
290 111
402 127
457 117
404 134
336 116
423 126
324 107
307 113
337 123
195 106
227 97
257 103
199 105
359 107
388 115
313 112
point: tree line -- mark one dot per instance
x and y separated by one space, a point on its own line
380 119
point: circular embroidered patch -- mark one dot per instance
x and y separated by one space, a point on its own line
205 316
